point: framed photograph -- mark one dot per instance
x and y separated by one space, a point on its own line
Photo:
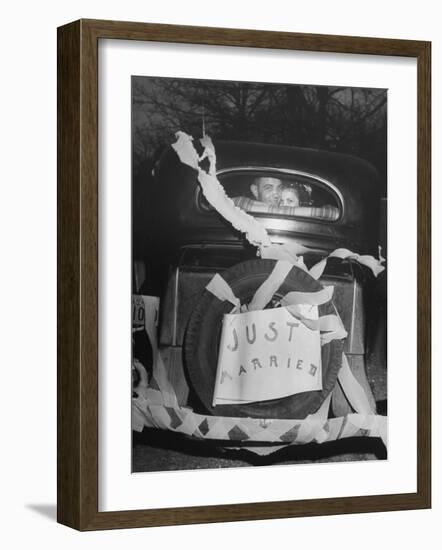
243 275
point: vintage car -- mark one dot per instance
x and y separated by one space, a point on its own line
338 206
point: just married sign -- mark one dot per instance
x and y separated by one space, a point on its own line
268 354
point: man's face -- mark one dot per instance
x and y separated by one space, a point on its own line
267 190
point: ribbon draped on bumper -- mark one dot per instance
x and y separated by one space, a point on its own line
157 408
156 404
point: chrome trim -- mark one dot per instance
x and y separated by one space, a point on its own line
353 317
175 308
290 172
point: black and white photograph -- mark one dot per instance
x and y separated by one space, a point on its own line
259 274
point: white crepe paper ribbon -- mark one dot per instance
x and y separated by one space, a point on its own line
381 258
209 153
143 390
221 289
255 232
164 385
353 391
315 427
375 424
337 428
343 253
297 312
214 192
143 383
312 427
138 420
185 150
290 252
311 298
331 328
270 286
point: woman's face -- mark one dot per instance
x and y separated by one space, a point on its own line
289 197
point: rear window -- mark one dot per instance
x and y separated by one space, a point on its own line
280 194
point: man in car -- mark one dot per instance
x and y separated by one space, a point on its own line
272 196
267 195
267 190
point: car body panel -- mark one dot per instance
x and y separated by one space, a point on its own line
192 242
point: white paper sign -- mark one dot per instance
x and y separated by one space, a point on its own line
268 354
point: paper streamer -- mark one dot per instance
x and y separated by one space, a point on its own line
327 337
372 423
290 252
165 387
270 286
297 311
159 407
185 150
369 261
255 232
162 414
221 289
232 430
331 326
353 391
215 194
209 153
312 298
313 427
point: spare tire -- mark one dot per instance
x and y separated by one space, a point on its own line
203 336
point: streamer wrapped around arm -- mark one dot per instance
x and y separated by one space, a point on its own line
214 192
233 210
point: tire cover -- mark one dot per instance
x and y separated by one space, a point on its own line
202 341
